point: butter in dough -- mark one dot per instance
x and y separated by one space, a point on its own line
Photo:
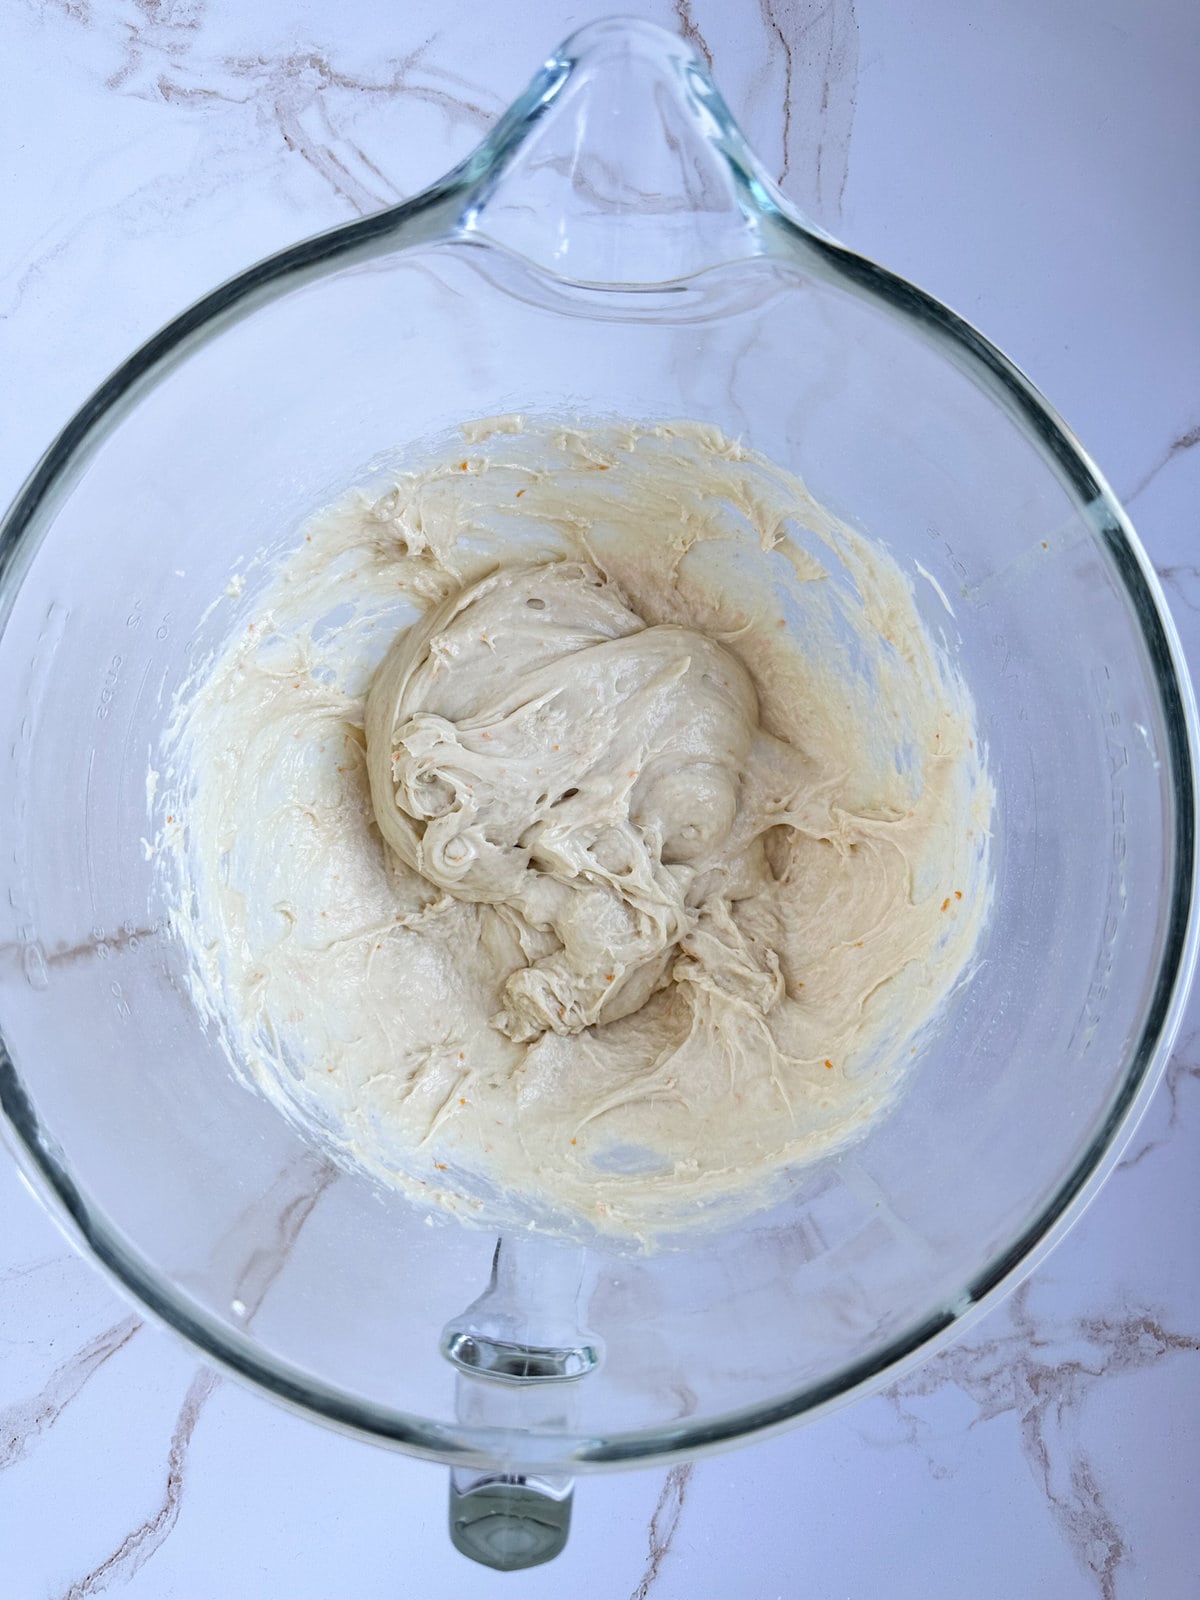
533 745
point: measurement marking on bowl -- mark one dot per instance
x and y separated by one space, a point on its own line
1116 891
118 995
108 688
21 895
88 854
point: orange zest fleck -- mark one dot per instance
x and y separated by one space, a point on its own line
461 1101
958 894
574 1141
462 466
518 494
440 1165
462 1055
829 1064
171 818
946 903
609 976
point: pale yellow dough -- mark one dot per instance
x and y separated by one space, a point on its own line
581 831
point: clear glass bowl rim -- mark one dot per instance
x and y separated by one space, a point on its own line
450 210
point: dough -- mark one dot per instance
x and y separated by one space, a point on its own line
580 831
534 746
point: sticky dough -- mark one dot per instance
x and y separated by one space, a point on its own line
532 745
581 832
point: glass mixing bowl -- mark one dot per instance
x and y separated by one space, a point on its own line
612 248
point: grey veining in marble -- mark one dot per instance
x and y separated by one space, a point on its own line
1033 166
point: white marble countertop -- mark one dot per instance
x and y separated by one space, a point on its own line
1032 164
